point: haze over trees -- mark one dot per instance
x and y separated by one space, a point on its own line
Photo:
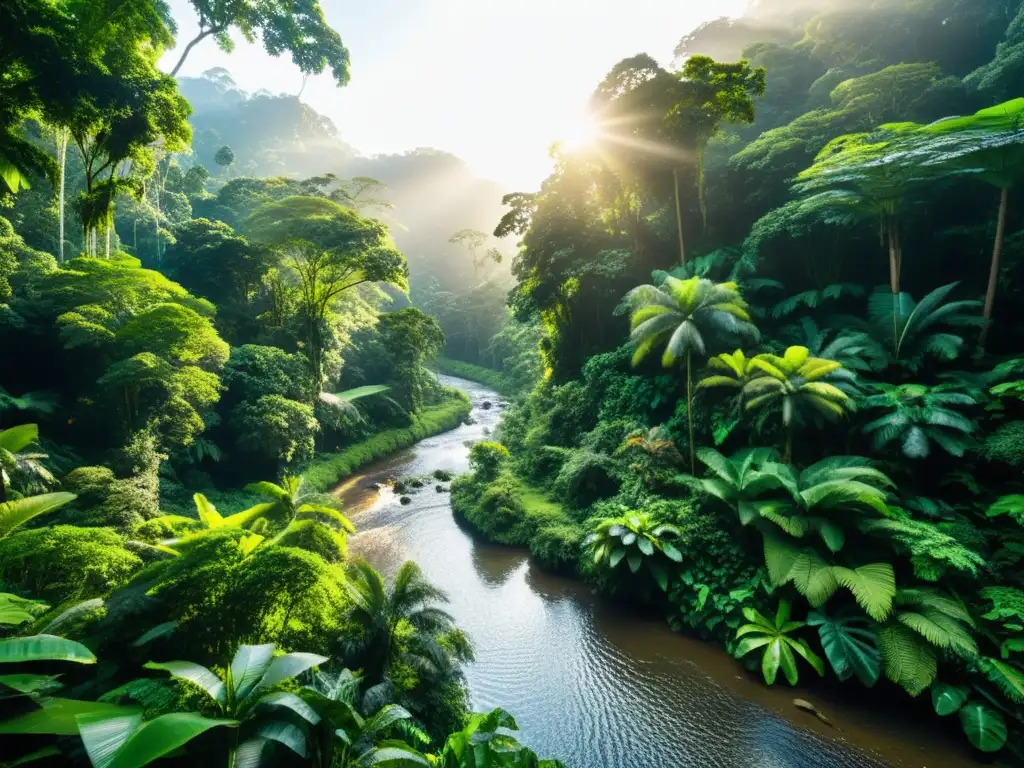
759 334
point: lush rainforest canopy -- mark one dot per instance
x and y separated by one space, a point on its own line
760 327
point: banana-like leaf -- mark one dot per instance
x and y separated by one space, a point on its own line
849 642
248 666
58 716
196 674
28 683
43 648
20 511
207 512
284 733
148 742
15 439
291 701
290 665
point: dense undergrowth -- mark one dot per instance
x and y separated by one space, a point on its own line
478 373
737 426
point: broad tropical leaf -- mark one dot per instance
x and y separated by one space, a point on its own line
16 650
948 699
984 727
849 641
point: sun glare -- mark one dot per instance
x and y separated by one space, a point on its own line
578 132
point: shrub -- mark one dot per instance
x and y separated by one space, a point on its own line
167 527
557 546
586 478
443 475
315 537
64 562
486 459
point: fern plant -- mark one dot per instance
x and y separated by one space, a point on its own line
917 416
923 620
773 635
815 298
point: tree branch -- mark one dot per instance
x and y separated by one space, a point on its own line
195 41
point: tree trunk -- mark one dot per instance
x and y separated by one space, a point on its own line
894 279
3 488
689 411
62 153
993 272
679 217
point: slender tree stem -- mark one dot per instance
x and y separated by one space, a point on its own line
192 43
679 217
993 272
894 281
689 411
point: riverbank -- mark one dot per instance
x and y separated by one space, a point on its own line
481 375
588 680
329 469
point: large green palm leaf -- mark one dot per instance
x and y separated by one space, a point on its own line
20 511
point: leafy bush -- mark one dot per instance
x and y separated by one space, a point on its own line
557 547
586 478
167 527
64 562
486 459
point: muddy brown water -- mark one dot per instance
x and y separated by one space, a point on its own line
590 683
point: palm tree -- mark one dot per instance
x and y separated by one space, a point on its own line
679 314
402 622
292 503
916 415
795 381
865 175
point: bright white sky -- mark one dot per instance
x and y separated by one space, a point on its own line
492 81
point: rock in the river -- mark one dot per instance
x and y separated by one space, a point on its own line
487 405
440 488
405 500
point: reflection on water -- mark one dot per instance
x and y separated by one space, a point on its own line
585 682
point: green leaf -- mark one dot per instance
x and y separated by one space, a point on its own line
984 727
19 511
906 658
284 733
103 735
44 648
947 698
28 683
772 659
162 736
635 560
294 703
849 643
196 674
58 716
160 630
248 667
1007 677
671 552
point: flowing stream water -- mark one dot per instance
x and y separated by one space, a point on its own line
592 684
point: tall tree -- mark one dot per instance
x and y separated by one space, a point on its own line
990 146
284 25
330 249
713 92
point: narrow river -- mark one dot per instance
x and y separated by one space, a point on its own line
590 684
